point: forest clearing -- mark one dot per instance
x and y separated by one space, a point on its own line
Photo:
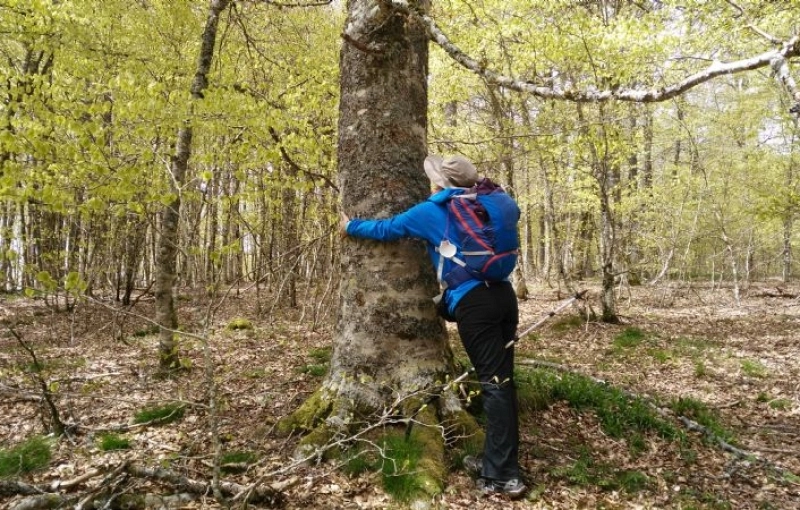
676 341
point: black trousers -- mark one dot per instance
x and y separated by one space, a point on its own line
487 319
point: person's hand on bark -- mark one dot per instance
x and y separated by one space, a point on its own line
343 220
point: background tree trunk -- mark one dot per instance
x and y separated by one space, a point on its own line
166 262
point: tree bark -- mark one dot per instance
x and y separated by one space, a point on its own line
606 174
789 213
388 341
166 258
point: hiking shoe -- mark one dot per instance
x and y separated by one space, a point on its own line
513 488
473 465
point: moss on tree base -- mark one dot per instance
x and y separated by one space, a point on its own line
409 446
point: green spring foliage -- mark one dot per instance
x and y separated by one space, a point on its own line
314 370
586 471
620 415
699 412
321 355
321 358
237 460
753 368
629 338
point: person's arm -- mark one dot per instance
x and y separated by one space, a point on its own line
407 224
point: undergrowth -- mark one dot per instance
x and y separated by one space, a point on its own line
161 415
28 456
699 412
620 415
321 358
110 442
396 459
398 465
237 460
629 338
586 471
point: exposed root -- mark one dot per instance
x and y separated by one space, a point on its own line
426 423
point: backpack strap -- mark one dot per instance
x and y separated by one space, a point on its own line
446 250
470 222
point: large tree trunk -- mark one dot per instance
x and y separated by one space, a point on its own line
388 341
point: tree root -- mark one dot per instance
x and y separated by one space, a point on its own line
432 420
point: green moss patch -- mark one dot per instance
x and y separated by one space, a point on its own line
33 454
110 442
237 461
160 415
239 324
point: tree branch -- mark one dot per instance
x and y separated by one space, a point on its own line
296 168
261 493
789 49
56 425
780 67
47 497
310 3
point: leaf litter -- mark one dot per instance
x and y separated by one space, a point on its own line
739 359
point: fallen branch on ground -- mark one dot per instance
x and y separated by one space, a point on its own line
260 493
47 497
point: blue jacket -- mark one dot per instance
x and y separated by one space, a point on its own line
427 221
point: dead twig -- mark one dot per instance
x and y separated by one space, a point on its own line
55 425
265 494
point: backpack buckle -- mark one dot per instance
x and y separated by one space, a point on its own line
447 249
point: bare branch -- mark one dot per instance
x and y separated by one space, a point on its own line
296 168
769 37
56 425
788 50
737 7
311 3
781 68
740 10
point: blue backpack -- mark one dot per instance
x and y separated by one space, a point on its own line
480 236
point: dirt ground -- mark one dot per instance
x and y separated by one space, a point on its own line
739 357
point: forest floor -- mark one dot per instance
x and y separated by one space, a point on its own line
741 359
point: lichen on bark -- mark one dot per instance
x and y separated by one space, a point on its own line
389 347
